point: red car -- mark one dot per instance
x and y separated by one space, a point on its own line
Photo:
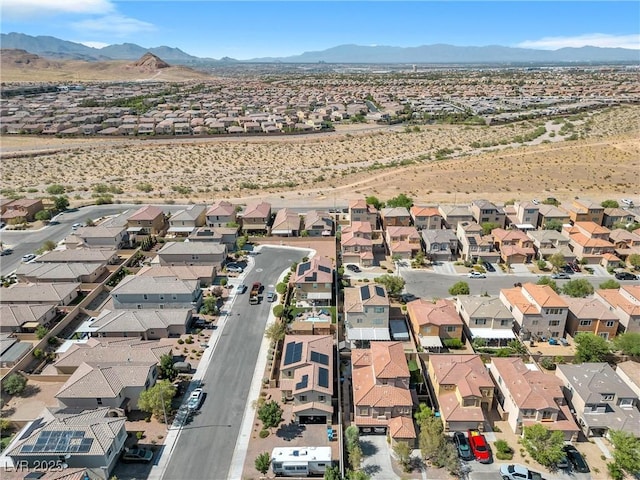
479 446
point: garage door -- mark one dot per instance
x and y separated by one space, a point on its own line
312 419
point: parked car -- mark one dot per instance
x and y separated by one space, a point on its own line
271 296
407 297
462 445
575 267
479 447
477 275
625 276
576 459
560 276
28 257
563 462
137 455
75 226
241 288
518 472
6 251
488 267
353 268
195 399
234 267
627 201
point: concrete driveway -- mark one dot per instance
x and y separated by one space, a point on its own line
376 457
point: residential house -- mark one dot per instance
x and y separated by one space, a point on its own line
550 242
601 400
440 245
193 253
553 214
104 237
83 439
60 272
434 322
306 377
356 243
116 385
590 315
147 220
380 382
403 242
527 214
286 223
221 214
483 211
629 372
59 293
313 281
318 223
474 245
588 241
366 310
527 396
537 309
426 218
205 274
486 319
625 303
616 216
185 221
361 211
25 318
80 255
227 236
395 217
21 210
514 246
452 215
463 389
583 210
256 217
146 324
135 292
625 243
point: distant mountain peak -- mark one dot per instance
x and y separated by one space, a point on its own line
149 61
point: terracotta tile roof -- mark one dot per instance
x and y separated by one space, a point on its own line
257 210
509 235
624 302
317 270
403 231
451 410
590 308
402 427
374 295
585 241
221 208
467 372
510 250
591 227
418 211
544 295
361 227
148 212
424 312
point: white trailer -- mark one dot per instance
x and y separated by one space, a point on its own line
300 461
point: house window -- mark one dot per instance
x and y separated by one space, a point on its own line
607 397
315 285
610 323
534 322
303 398
321 398
359 320
547 416
481 321
504 323
378 309
554 323
528 413
145 296
99 401
604 335
364 411
451 328
626 402
585 323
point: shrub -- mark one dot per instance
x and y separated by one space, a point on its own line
547 363
15 384
453 343
180 341
264 433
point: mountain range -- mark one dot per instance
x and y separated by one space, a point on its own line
55 48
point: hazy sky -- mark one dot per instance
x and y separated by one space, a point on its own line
250 29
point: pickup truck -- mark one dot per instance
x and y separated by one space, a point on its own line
254 296
479 447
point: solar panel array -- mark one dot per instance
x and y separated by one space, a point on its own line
303 382
292 353
303 267
364 293
323 377
320 358
322 268
379 291
60 441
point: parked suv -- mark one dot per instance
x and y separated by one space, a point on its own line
625 276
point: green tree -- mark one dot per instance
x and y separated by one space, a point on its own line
403 452
352 436
60 203
634 260
517 347
487 227
392 283
355 457
166 367
557 261
357 474
263 462
400 201
547 280
553 225
610 204
544 446
373 201
49 245
591 347
431 438
43 215
55 189
419 258
270 414
157 399
209 305
459 288
241 242
422 413
278 310
41 332
578 288
276 331
15 384
281 287
626 451
332 473
5 426
610 284
628 343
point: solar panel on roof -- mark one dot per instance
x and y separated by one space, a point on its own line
323 377
364 293
60 441
322 268
303 382
288 352
303 267
297 352
320 358
380 291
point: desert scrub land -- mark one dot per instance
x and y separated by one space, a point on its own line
591 154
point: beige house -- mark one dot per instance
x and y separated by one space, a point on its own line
193 253
589 241
256 217
613 216
463 388
59 293
147 220
590 315
306 377
433 322
474 245
357 244
380 382
486 318
80 255
318 224
99 236
286 224
426 218
395 217
361 211
366 310
625 303
25 318
583 210
205 274
313 281
629 372
21 210
60 272
452 215
526 213
526 396
514 246
146 324
185 221
550 242
551 213
220 214
483 211
402 241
